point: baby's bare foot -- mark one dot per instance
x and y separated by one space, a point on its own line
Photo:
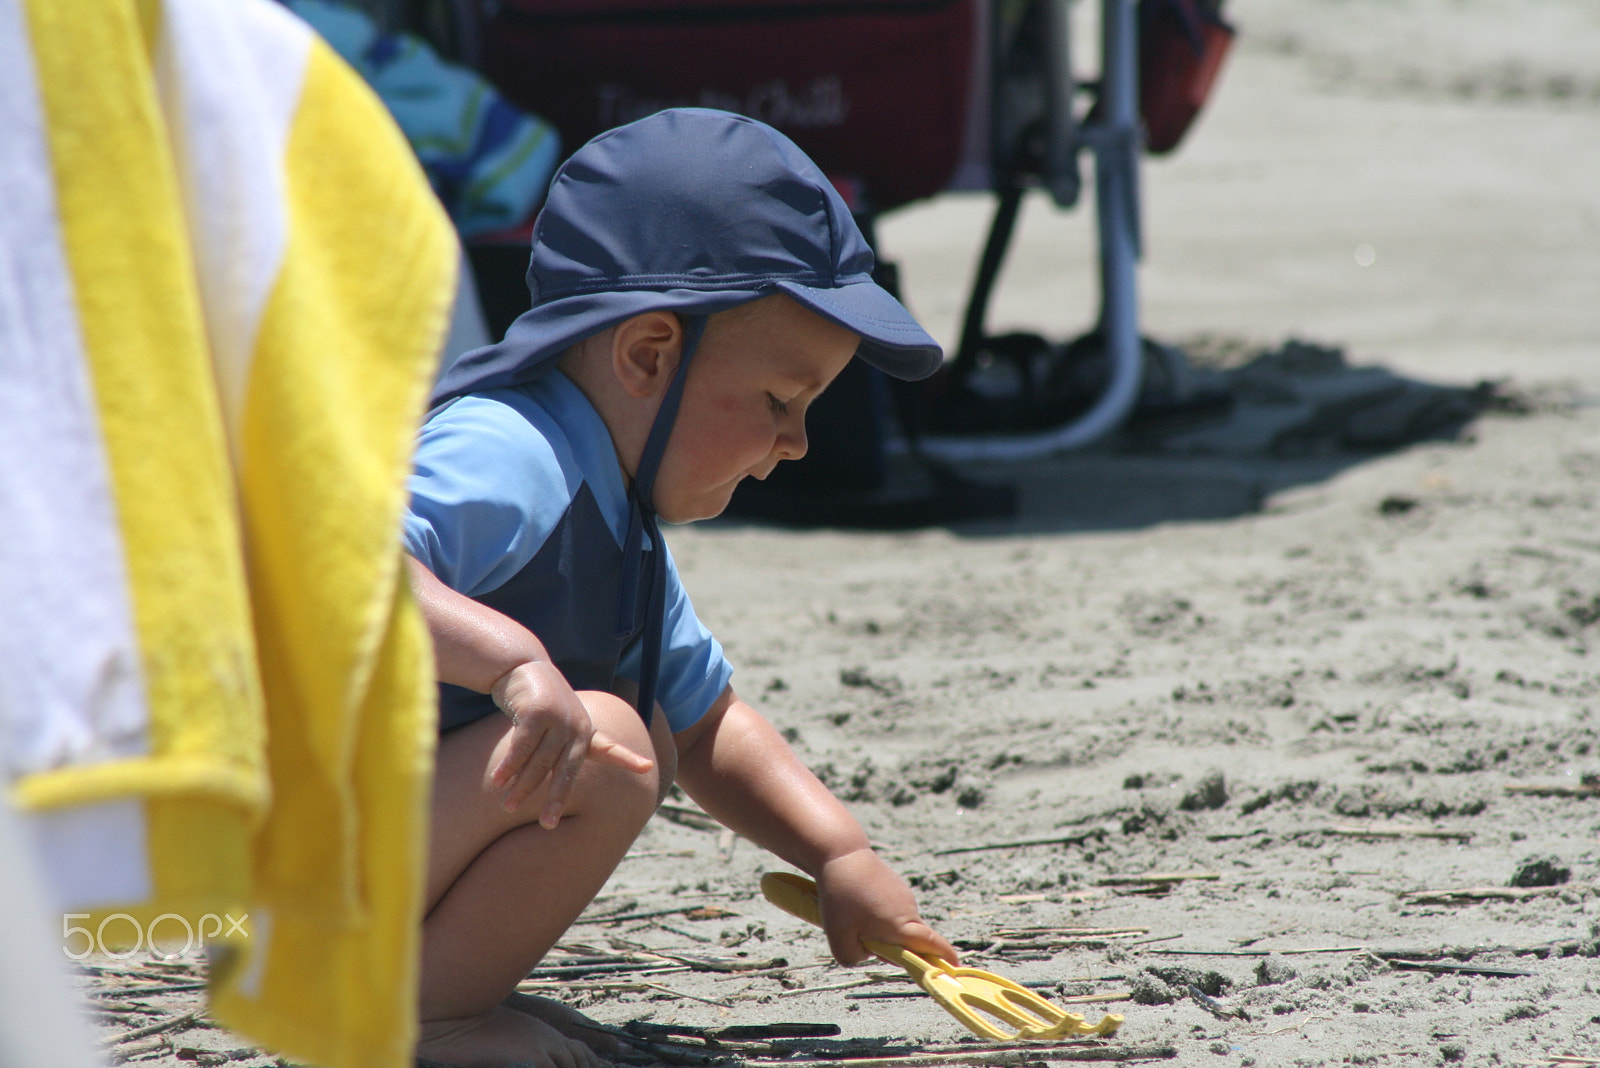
504 1038
569 1021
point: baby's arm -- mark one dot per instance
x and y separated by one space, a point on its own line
741 771
551 736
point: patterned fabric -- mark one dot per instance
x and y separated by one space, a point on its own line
489 162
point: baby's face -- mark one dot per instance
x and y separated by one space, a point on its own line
744 404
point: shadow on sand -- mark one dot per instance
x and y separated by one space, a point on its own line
1222 431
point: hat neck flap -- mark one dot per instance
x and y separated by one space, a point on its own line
642 522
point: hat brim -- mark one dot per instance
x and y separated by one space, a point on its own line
891 340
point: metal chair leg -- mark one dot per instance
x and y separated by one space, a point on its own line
1115 139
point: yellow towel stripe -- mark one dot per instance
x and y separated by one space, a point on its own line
341 368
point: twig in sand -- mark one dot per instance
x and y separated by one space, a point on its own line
1586 788
1043 949
1232 836
728 967
1092 999
1295 1027
172 1023
135 991
1152 941
1074 999
1255 952
1561 948
1455 968
681 933
119 1054
1070 839
784 970
865 980
688 817
1023 1055
214 1056
1397 832
1471 894
584 971
610 906
736 1032
105 1007
658 988
1158 877
1013 944
1012 933
528 987
670 1053
695 912
1540 949
698 963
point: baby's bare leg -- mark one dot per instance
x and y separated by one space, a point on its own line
502 889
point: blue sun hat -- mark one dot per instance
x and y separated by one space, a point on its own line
695 211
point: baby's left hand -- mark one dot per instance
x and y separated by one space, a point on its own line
862 898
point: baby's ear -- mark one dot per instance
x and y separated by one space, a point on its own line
645 351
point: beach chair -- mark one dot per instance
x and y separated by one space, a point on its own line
898 100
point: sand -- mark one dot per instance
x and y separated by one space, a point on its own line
1317 681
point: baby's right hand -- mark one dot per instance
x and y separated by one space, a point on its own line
551 736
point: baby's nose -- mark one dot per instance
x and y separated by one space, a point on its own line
789 445
792 442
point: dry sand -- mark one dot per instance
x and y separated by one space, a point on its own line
1308 675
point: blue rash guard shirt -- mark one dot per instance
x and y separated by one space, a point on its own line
517 500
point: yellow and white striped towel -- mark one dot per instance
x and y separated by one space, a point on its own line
223 284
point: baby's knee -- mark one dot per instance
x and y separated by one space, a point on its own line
616 786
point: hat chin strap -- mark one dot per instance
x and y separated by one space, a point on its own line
642 521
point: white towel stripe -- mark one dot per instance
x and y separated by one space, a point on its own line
72 691
230 78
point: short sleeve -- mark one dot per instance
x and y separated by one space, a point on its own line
488 487
694 671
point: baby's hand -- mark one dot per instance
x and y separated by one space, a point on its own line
862 898
551 736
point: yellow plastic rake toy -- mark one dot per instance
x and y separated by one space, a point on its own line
977 998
